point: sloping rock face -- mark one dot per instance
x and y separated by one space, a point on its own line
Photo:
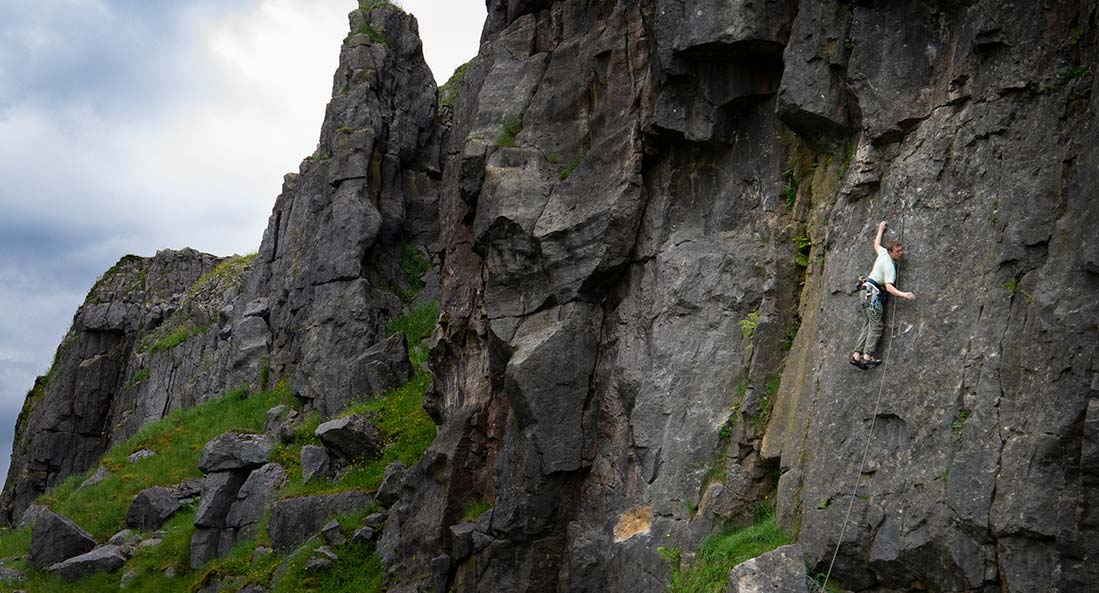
651 218
330 261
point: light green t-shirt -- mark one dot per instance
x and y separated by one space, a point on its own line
884 271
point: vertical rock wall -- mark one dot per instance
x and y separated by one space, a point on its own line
652 216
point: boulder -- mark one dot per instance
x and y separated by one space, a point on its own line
254 495
139 455
10 576
384 366
124 537
100 474
102 559
390 488
375 520
235 451
218 495
295 520
351 437
779 571
55 538
204 546
188 489
151 508
333 533
363 536
315 462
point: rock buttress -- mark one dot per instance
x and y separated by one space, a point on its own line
330 260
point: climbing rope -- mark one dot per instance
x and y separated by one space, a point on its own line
873 421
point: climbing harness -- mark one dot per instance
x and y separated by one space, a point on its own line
873 295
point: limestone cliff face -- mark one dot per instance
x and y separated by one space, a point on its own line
645 217
652 215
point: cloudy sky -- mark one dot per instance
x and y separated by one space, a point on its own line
128 126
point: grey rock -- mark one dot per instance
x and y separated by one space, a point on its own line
204 546
779 571
235 451
219 493
384 366
390 487
375 520
363 536
30 514
55 538
352 437
102 559
260 307
101 473
150 543
294 520
188 489
151 508
124 537
315 463
261 553
440 572
333 534
139 455
127 579
254 495
274 418
10 576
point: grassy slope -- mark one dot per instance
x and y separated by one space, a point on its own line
178 440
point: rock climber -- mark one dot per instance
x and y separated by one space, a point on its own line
882 279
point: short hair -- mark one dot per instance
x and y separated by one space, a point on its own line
892 244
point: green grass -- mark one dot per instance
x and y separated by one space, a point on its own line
226 274
138 378
475 509
406 429
767 402
416 324
180 335
573 164
790 192
709 573
358 570
803 245
748 325
1077 72
178 440
511 128
448 93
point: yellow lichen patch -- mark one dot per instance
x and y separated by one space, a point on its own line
633 522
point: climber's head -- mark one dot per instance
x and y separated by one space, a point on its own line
896 250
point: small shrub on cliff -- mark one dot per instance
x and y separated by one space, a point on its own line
180 335
511 128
